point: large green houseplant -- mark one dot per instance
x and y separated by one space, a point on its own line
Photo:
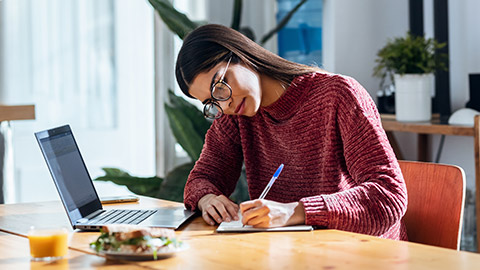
410 62
186 121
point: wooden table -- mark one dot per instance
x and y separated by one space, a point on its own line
17 112
10 113
434 127
15 254
319 249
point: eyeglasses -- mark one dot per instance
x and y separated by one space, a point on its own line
220 91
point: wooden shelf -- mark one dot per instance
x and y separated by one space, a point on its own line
433 127
17 112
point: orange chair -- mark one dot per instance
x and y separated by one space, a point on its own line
436 196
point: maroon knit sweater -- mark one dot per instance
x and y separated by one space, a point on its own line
338 161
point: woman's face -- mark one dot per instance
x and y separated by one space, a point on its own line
245 83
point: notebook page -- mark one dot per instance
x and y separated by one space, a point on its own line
237 226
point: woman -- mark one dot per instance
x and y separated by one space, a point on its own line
340 171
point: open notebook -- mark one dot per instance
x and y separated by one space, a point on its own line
237 226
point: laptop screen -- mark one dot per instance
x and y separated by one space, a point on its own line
68 171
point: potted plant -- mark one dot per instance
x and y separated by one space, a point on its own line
410 62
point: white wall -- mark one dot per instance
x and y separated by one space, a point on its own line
355 30
464 47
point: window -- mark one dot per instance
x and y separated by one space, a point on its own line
86 63
60 56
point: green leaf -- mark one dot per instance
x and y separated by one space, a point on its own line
174 183
147 186
114 172
240 194
184 131
176 21
237 14
282 23
200 124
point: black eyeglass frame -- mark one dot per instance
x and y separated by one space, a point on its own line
213 101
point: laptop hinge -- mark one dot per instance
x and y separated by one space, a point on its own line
92 215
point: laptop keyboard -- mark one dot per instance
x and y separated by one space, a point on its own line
122 216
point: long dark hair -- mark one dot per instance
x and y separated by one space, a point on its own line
210 44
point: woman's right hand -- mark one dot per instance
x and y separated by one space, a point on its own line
217 209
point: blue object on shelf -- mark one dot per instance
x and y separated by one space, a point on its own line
301 39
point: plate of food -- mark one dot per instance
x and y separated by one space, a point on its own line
130 242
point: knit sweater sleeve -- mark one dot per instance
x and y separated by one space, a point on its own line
378 199
220 163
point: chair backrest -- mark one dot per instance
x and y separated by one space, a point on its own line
436 196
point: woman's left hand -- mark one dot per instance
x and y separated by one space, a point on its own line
266 214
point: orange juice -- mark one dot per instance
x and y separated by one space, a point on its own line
48 243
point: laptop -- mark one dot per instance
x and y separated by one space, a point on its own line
78 194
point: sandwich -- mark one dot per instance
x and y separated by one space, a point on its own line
132 239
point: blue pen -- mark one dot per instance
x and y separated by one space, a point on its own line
269 185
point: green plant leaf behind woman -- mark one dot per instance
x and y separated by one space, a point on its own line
147 186
188 125
176 21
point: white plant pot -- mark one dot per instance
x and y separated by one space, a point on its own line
413 97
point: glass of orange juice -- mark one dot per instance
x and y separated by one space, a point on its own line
48 243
